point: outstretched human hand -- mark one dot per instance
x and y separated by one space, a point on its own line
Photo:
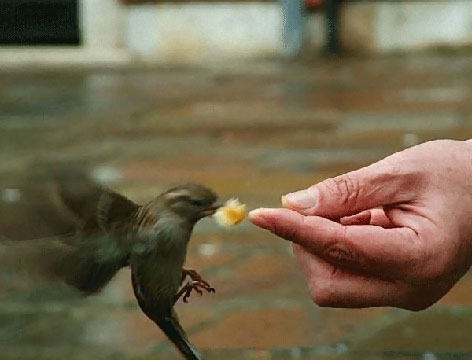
395 233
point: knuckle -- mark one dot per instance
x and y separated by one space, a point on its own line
345 188
341 252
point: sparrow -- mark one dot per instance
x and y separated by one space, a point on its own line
165 226
113 232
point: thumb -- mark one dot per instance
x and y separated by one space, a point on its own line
377 185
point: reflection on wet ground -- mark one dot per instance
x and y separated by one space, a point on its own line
255 131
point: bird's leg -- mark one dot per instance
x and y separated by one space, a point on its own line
186 290
196 284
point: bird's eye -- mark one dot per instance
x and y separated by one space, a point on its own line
196 202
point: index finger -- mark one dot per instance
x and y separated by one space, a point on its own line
389 253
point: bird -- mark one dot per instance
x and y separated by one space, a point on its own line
113 232
156 266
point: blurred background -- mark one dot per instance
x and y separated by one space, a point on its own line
253 98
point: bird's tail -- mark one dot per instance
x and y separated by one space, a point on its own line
174 331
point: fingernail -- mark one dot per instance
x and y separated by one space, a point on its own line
256 217
302 199
254 213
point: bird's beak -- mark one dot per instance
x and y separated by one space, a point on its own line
212 209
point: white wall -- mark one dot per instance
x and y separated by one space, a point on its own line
189 32
102 24
413 25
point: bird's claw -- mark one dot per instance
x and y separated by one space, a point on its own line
194 285
197 286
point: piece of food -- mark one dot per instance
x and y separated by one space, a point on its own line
231 214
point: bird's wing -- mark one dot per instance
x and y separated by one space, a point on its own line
86 265
93 252
115 212
97 208
32 258
104 246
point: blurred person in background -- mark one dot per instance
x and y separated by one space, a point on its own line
395 233
293 12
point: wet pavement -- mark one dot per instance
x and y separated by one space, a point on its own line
252 130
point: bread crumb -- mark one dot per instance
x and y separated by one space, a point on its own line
231 214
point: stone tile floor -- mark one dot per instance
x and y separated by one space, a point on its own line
252 130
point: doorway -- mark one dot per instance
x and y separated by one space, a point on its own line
39 23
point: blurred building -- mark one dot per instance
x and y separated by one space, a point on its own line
83 31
